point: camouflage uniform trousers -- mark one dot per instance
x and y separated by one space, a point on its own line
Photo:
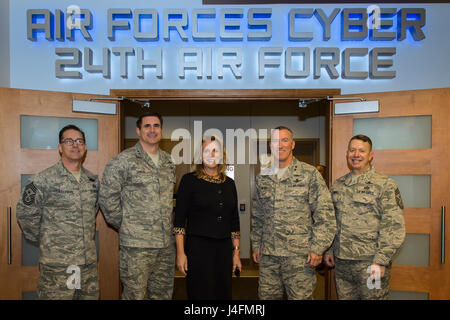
352 281
147 268
53 283
290 273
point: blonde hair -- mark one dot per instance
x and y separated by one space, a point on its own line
198 158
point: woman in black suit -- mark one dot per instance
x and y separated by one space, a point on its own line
206 214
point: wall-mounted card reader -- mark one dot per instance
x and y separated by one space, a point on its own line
243 207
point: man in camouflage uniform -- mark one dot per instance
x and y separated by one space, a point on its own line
293 223
136 197
371 228
57 211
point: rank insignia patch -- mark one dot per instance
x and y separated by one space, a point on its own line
398 198
29 194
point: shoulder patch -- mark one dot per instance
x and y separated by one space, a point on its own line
29 194
398 198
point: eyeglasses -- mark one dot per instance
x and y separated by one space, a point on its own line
70 142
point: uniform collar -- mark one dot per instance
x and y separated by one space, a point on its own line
292 169
141 153
352 179
62 170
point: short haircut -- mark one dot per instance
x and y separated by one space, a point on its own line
362 138
148 114
283 128
70 127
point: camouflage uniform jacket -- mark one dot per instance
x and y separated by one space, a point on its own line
136 198
58 212
292 216
369 214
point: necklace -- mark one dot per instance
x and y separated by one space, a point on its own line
220 179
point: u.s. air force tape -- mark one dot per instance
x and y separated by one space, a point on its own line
398 198
29 194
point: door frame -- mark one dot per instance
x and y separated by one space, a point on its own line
239 95
224 94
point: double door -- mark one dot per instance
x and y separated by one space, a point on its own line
411 141
29 125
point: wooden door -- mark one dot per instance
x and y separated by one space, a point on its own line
18 277
416 164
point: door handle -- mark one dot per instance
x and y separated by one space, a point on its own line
442 234
9 235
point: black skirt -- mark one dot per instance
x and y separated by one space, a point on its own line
209 268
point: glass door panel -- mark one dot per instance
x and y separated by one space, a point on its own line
396 132
37 132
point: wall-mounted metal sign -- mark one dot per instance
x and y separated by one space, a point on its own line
206 34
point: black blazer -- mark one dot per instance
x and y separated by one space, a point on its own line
205 208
